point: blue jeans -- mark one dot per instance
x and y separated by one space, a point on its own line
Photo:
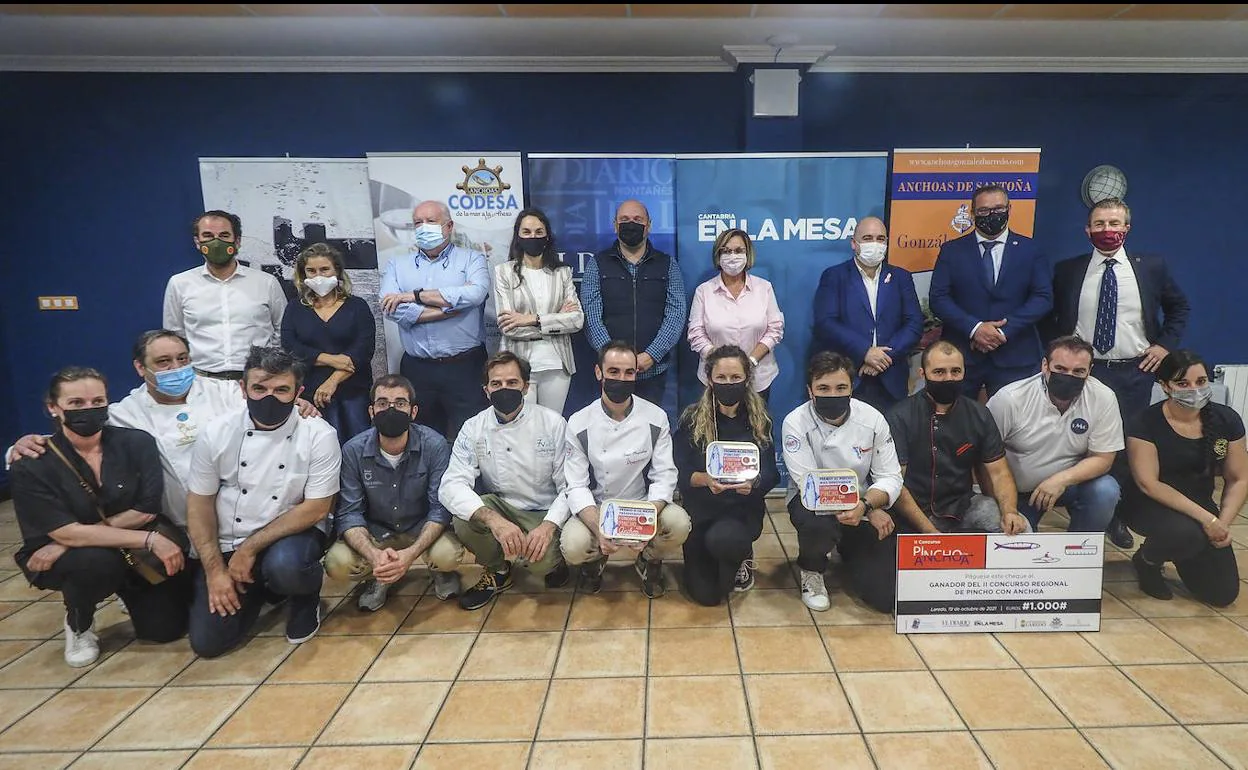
348 415
290 567
1090 504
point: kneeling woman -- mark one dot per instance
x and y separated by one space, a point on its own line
727 518
83 501
1175 448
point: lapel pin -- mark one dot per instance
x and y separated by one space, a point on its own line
888 277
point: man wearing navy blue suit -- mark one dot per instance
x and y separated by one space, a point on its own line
870 312
990 288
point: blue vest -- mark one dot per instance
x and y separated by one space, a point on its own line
633 307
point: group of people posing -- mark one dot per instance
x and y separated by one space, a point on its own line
216 487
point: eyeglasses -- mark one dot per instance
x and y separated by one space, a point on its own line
732 252
986 212
382 404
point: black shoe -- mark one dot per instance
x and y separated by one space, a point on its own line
1151 580
304 619
1119 535
559 576
490 585
590 581
651 572
744 579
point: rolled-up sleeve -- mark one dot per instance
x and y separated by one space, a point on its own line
475 290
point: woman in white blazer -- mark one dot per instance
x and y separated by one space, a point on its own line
538 308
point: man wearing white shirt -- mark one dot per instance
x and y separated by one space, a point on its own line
261 485
831 431
614 445
516 451
222 307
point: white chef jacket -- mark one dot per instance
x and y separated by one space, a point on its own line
258 475
520 461
863 444
222 319
610 460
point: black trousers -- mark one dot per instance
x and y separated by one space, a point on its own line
652 388
870 562
1134 388
87 576
992 377
713 553
1210 573
448 392
870 390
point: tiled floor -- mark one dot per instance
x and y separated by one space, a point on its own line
561 680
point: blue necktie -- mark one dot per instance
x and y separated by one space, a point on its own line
1106 310
989 273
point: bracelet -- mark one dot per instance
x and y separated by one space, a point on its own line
147 542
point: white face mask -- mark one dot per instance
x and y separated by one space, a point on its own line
732 264
872 254
321 284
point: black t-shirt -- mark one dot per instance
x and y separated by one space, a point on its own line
48 496
1188 464
690 458
940 451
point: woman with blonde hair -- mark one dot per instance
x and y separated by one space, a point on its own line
727 517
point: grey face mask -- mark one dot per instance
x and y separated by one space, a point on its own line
1195 398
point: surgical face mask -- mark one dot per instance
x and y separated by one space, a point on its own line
429 236
506 400
728 393
85 422
1108 241
321 284
632 234
618 391
871 253
992 224
269 411
832 408
1065 387
732 264
534 247
1196 398
175 382
944 392
392 422
217 251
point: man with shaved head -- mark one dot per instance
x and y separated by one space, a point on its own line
868 310
633 292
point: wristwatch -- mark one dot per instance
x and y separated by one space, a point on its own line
753 360
867 506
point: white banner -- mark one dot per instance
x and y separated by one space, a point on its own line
484 192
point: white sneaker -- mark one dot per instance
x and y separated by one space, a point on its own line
373 596
81 649
814 592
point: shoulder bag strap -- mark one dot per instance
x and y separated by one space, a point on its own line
86 487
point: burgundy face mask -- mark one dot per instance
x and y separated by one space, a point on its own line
1108 241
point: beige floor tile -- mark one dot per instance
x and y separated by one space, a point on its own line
390 712
525 582
764 607
421 657
281 715
38 620
517 655
1195 694
783 752
782 523
870 648
792 650
1236 672
495 756
249 664
140 665
1213 640
691 651
44 666
621 576
14 649
490 711
371 757
1181 606
1044 650
701 754
675 611
696 706
42 760
330 659
961 651
415 583
997 700
72 720
1112 608
431 616
16 589
529 612
798 704
602 653
1039 750
1230 742
133 760
846 610
348 618
579 709
897 701
1151 748
774 574
607 755
768 546
177 718
15 704
8 608
920 751
609 610
1127 642
1099 697
244 759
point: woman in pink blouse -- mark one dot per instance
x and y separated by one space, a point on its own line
736 308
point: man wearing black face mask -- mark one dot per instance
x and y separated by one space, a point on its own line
990 288
1062 430
388 511
833 430
614 445
943 438
633 292
260 488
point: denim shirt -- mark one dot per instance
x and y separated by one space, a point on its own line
390 500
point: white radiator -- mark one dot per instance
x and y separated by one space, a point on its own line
1234 378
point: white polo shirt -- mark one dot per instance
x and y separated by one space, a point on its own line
609 460
1041 441
863 444
257 475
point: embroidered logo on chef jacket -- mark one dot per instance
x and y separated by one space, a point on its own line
545 446
635 456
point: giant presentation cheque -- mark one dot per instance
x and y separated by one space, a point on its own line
1033 582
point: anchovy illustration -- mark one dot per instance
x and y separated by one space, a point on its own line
1017 546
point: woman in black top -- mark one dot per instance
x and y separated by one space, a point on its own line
67 547
334 333
1175 448
727 518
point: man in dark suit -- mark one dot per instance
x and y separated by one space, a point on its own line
870 312
990 288
1127 306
